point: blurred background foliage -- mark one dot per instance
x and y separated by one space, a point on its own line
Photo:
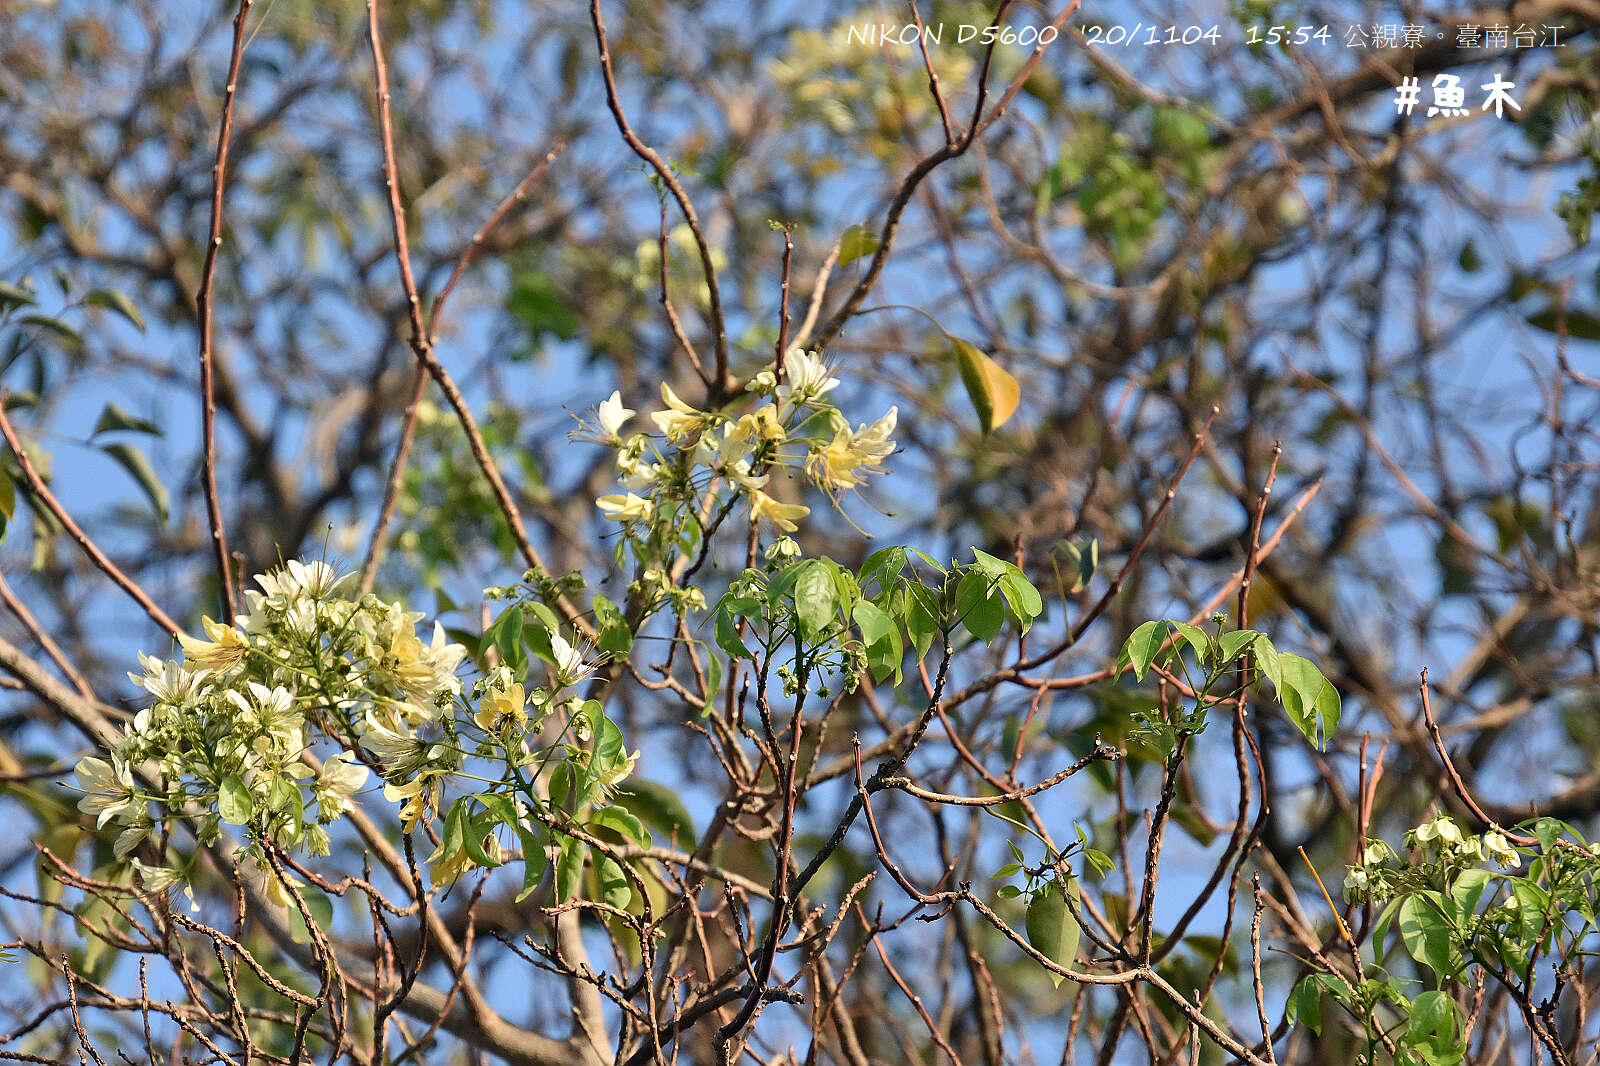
1410 306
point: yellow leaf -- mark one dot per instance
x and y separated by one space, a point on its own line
857 241
995 393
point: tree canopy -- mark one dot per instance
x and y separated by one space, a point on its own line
965 532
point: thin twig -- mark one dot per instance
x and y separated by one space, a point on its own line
42 493
208 272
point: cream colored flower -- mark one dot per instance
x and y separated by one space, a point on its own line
641 476
782 515
1442 829
629 508
846 460
679 419
423 673
1500 850
500 707
618 774
131 838
342 775
762 424
390 738
421 795
156 878
225 649
276 892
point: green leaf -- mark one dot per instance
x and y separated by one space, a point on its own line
1141 648
63 332
623 822
133 461
923 617
534 861
614 888
14 296
1580 324
474 830
114 418
1305 1004
569 868
1233 644
234 801
1434 1029
1051 929
883 565
873 622
1021 597
857 241
1024 599
994 393
112 300
615 636
1468 891
980 607
728 637
505 636
1426 934
816 599
1268 660
1309 698
541 306
455 829
1198 639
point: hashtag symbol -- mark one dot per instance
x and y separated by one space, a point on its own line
1406 95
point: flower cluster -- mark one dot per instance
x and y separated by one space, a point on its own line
701 462
231 732
1438 849
234 727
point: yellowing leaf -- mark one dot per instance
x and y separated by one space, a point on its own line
856 242
994 393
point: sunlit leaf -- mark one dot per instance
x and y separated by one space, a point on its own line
994 393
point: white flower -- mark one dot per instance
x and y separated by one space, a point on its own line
612 414
1500 850
641 476
131 838
572 666
1356 884
1443 829
156 878
805 377
390 738
342 775
107 789
167 681
315 580
739 474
